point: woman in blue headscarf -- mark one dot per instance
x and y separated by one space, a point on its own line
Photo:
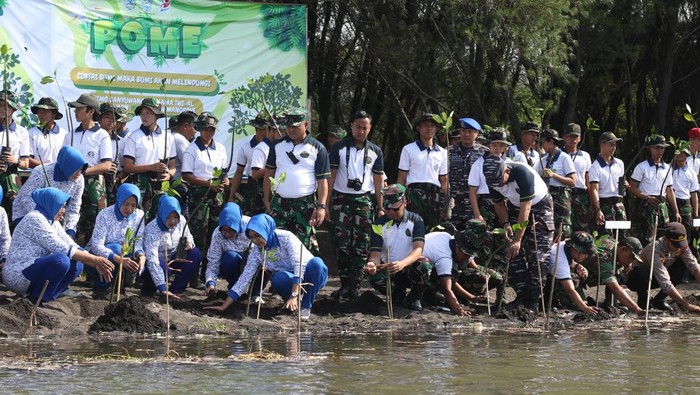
110 230
160 242
228 243
41 250
282 249
66 174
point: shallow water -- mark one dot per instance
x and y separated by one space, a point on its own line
621 358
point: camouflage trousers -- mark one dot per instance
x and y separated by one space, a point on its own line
415 276
426 202
352 225
488 211
150 194
685 210
111 185
252 197
205 207
10 183
644 217
497 247
294 215
462 210
580 210
527 270
561 197
613 210
474 280
94 200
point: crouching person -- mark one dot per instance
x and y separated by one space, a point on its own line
160 242
228 245
109 234
572 275
399 246
42 251
282 250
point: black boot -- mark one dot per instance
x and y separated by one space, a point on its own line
659 302
642 299
413 299
348 290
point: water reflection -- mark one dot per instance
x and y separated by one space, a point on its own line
588 359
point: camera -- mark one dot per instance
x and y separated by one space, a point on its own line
355 184
621 189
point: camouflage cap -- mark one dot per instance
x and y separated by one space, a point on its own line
530 127
122 115
106 107
472 240
425 117
152 104
493 170
583 242
10 98
206 120
393 194
259 121
172 122
337 131
572 129
47 103
550 134
86 100
295 117
656 140
633 244
607 137
498 135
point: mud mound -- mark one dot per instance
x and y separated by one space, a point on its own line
15 316
129 315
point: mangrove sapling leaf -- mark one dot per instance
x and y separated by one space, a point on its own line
520 225
498 231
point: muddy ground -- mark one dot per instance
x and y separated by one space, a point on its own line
79 314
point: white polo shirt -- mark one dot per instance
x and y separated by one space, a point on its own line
606 176
423 165
46 145
259 156
563 262
582 164
477 179
355 163
694 162
181 144
685 181
523 185
652 179
117 150
94 144
398 237
244 155
312 164
200 160
439 249
19 140
517 153
561 164
146 148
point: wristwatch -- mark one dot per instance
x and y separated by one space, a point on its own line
323 206
295 294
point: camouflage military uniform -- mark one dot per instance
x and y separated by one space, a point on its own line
94 200
580 215
10 183
294 215
461 161
415 276
205 220
613 210
426 202
150 192
561 198
352 217
251 193
644 217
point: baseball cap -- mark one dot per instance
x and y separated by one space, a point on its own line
607 137
694 133
393 194
572 129
86 100
675 233
530 127
493 170
469 123
295 117
583 242
425 117
10 98
550 134
633 244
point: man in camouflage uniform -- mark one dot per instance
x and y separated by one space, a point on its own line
244 185
357 170
607 185
557 170
335 133
14 157
462 156
401 264
570 275
580 211
652 184
297 202
531 205
423 169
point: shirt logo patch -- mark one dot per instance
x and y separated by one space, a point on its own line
408 232
368 160
304 154
91 154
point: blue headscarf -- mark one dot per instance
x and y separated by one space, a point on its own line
68 161
49 201
2 193
231 216
166 205
124 192
265 226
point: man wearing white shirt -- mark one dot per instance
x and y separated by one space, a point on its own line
606 178
46 139
246 186
580 206
16 155
685 187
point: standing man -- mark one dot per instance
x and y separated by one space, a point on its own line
108 118
557 170
694 160
250 190
16 155
45 139
357 170
685 187
652 184
183 131
607 185
298 203
580 210
95 145
462 157
423 169
531 204
527 151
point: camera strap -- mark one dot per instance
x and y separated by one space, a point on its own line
347 161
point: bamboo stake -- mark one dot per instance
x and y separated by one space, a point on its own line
651 266
539 268
488 297
614 269
119 275
262 282
32 316
301 254
554 279
389 292
250 293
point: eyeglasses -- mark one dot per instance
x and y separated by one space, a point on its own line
386 208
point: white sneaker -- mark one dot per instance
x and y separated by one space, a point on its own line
305 314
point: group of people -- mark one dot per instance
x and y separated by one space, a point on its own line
481 213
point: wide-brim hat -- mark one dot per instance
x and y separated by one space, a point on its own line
608 137
656 140
498 135
107 107
550 134
338 131
86 100
530 127
259 121
583 242
47 103
10 98
152 104
425 117
121 115
634 245
206 120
